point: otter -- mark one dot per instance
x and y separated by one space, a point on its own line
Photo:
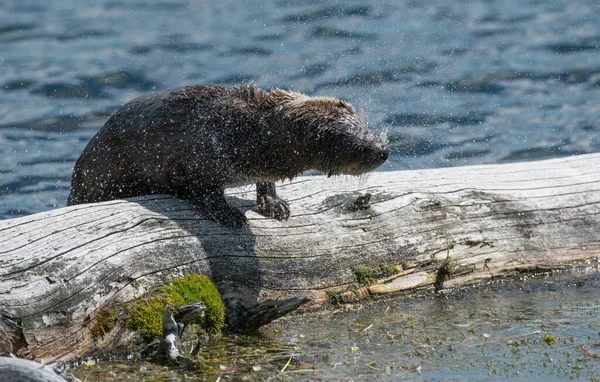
192 142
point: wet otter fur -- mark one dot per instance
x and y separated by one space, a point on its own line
192 142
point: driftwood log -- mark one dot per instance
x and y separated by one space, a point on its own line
442 227
23 370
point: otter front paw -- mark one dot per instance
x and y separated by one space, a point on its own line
229 217
217 209
273 207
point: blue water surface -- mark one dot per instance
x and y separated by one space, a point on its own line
456 83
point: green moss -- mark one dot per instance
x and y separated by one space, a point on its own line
549 339
194 288
389 270
365 275
146 313
334 298
105 321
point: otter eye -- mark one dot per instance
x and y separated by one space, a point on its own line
342 104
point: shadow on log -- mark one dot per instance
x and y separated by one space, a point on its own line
59 268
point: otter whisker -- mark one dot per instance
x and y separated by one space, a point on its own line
384 134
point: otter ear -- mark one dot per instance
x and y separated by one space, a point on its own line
344 105
279 93
280 96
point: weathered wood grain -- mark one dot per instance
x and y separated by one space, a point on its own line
22 370
58 268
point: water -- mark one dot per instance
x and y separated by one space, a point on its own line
463 82
533 328
523 329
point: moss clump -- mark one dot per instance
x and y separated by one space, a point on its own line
334 298
389 270
146 313
365 275
194 288
105 321
549 339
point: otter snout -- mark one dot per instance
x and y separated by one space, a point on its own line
367 158
381 153
376 155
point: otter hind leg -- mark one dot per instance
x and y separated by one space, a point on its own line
216 207
269 203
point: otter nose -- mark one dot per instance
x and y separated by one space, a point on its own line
385 153
378 154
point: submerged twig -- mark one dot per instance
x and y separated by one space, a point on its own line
287 364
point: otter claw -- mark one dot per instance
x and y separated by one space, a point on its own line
274 207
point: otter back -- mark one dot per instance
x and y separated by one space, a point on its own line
192 142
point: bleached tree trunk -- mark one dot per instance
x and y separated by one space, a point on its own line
58 268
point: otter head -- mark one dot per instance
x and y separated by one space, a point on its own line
330 134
